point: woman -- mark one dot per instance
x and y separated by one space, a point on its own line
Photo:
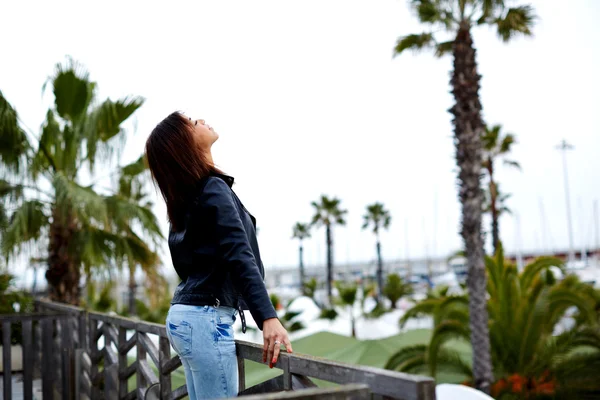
213 246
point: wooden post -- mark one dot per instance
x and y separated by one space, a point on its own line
28 361
164 355
47 363
6 362
111 366
67 374
82 325
123 389
93 354
141 355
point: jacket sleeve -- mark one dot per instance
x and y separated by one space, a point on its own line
234 249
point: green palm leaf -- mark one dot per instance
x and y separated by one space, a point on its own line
26 224
518 20
13 141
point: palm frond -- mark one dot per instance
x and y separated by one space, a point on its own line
13 140
83 202
26 224
398 360
105 123
301 231
518 20
73 90
415 42
443 332
443 48
533 269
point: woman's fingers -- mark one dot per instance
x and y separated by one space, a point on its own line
276 350
288 345
270 352
265 349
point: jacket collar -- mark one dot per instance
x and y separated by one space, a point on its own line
228 179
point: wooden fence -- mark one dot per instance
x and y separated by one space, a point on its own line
84 355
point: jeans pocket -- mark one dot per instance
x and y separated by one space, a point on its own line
180 336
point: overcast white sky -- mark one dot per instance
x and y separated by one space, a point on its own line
308 100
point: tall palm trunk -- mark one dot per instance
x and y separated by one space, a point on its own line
493 208
329 262
379 274
468 127
301 257
63 272
132 290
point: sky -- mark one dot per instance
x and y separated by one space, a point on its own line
309 100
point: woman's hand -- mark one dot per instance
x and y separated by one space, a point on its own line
274 335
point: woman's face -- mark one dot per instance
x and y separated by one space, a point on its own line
204 135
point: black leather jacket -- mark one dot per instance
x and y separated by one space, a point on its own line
216 254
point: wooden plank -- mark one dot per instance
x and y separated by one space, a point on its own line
123 390
111 381
124 347
47 366
179 393
60 307
171 365
37 349
111 363
241 364
112 334
269 386
28 360
384 382
6 360
164 355
150 348
66 333
301 382
126 373
141 356
251 351
95 356
149 375
67 371
345 392
99 332
129 396
287 376
82 324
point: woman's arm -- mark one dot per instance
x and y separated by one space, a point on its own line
233 248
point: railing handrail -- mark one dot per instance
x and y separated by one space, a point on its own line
382 382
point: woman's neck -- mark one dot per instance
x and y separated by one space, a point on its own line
209 158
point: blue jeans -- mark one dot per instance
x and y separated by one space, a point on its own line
202 336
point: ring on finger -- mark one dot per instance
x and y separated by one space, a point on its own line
277 342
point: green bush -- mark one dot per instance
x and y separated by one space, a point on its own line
10 301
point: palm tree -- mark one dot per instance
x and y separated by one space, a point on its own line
328 213
457 18
526 311
131 187
495 145
301 231
378 217
54 203
396 288
347 293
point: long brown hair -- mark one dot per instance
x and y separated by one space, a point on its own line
177 164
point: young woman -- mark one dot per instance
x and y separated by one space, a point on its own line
213 246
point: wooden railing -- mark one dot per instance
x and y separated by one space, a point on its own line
67 355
